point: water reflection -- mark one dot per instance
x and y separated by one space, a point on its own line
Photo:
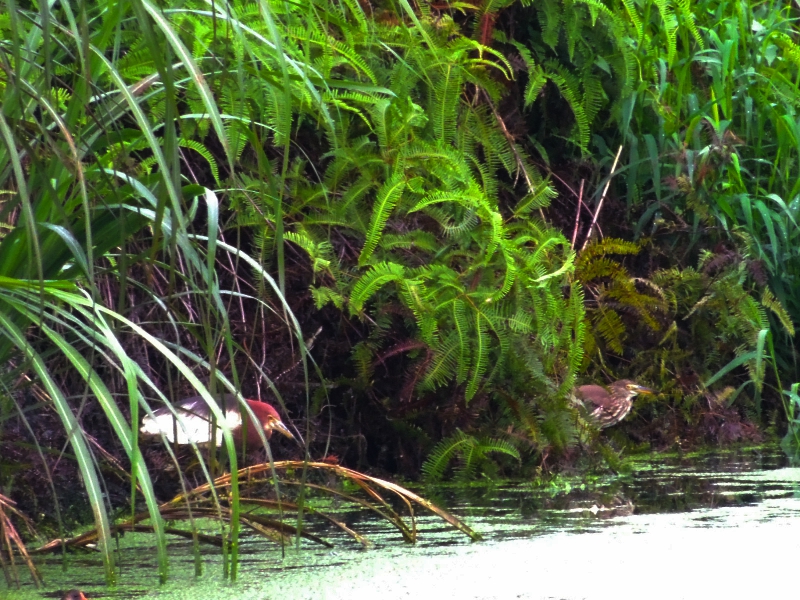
671 519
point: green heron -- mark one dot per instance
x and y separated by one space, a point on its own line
194 421
608 406
74 595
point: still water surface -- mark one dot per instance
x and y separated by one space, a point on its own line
714 526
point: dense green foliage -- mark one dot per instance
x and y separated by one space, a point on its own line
410 190
703 97
407 174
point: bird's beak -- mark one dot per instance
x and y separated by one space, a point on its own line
640 389
279 426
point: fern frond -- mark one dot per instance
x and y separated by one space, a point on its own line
769 300
323 295
363 356
387 198
463 331
447 82
481 354
606 246
439 459
608 324
685 11
569 91
444 364
469 449
670 28
374 279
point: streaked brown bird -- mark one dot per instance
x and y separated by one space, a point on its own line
194 421
608 406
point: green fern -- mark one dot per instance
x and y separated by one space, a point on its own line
470 451
402 209
374 279
387 198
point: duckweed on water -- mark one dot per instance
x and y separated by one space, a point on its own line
670 510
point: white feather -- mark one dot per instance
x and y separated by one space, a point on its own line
193 425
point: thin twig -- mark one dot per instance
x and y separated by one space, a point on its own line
11 537
309 343
602 198
577 215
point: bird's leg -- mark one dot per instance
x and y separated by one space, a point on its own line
213 465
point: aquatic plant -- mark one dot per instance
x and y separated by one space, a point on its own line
10 539
270 516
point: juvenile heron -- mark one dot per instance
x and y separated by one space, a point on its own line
194 421
608 406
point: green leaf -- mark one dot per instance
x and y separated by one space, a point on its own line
387 198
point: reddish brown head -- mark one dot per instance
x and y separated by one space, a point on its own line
269 419
74 595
